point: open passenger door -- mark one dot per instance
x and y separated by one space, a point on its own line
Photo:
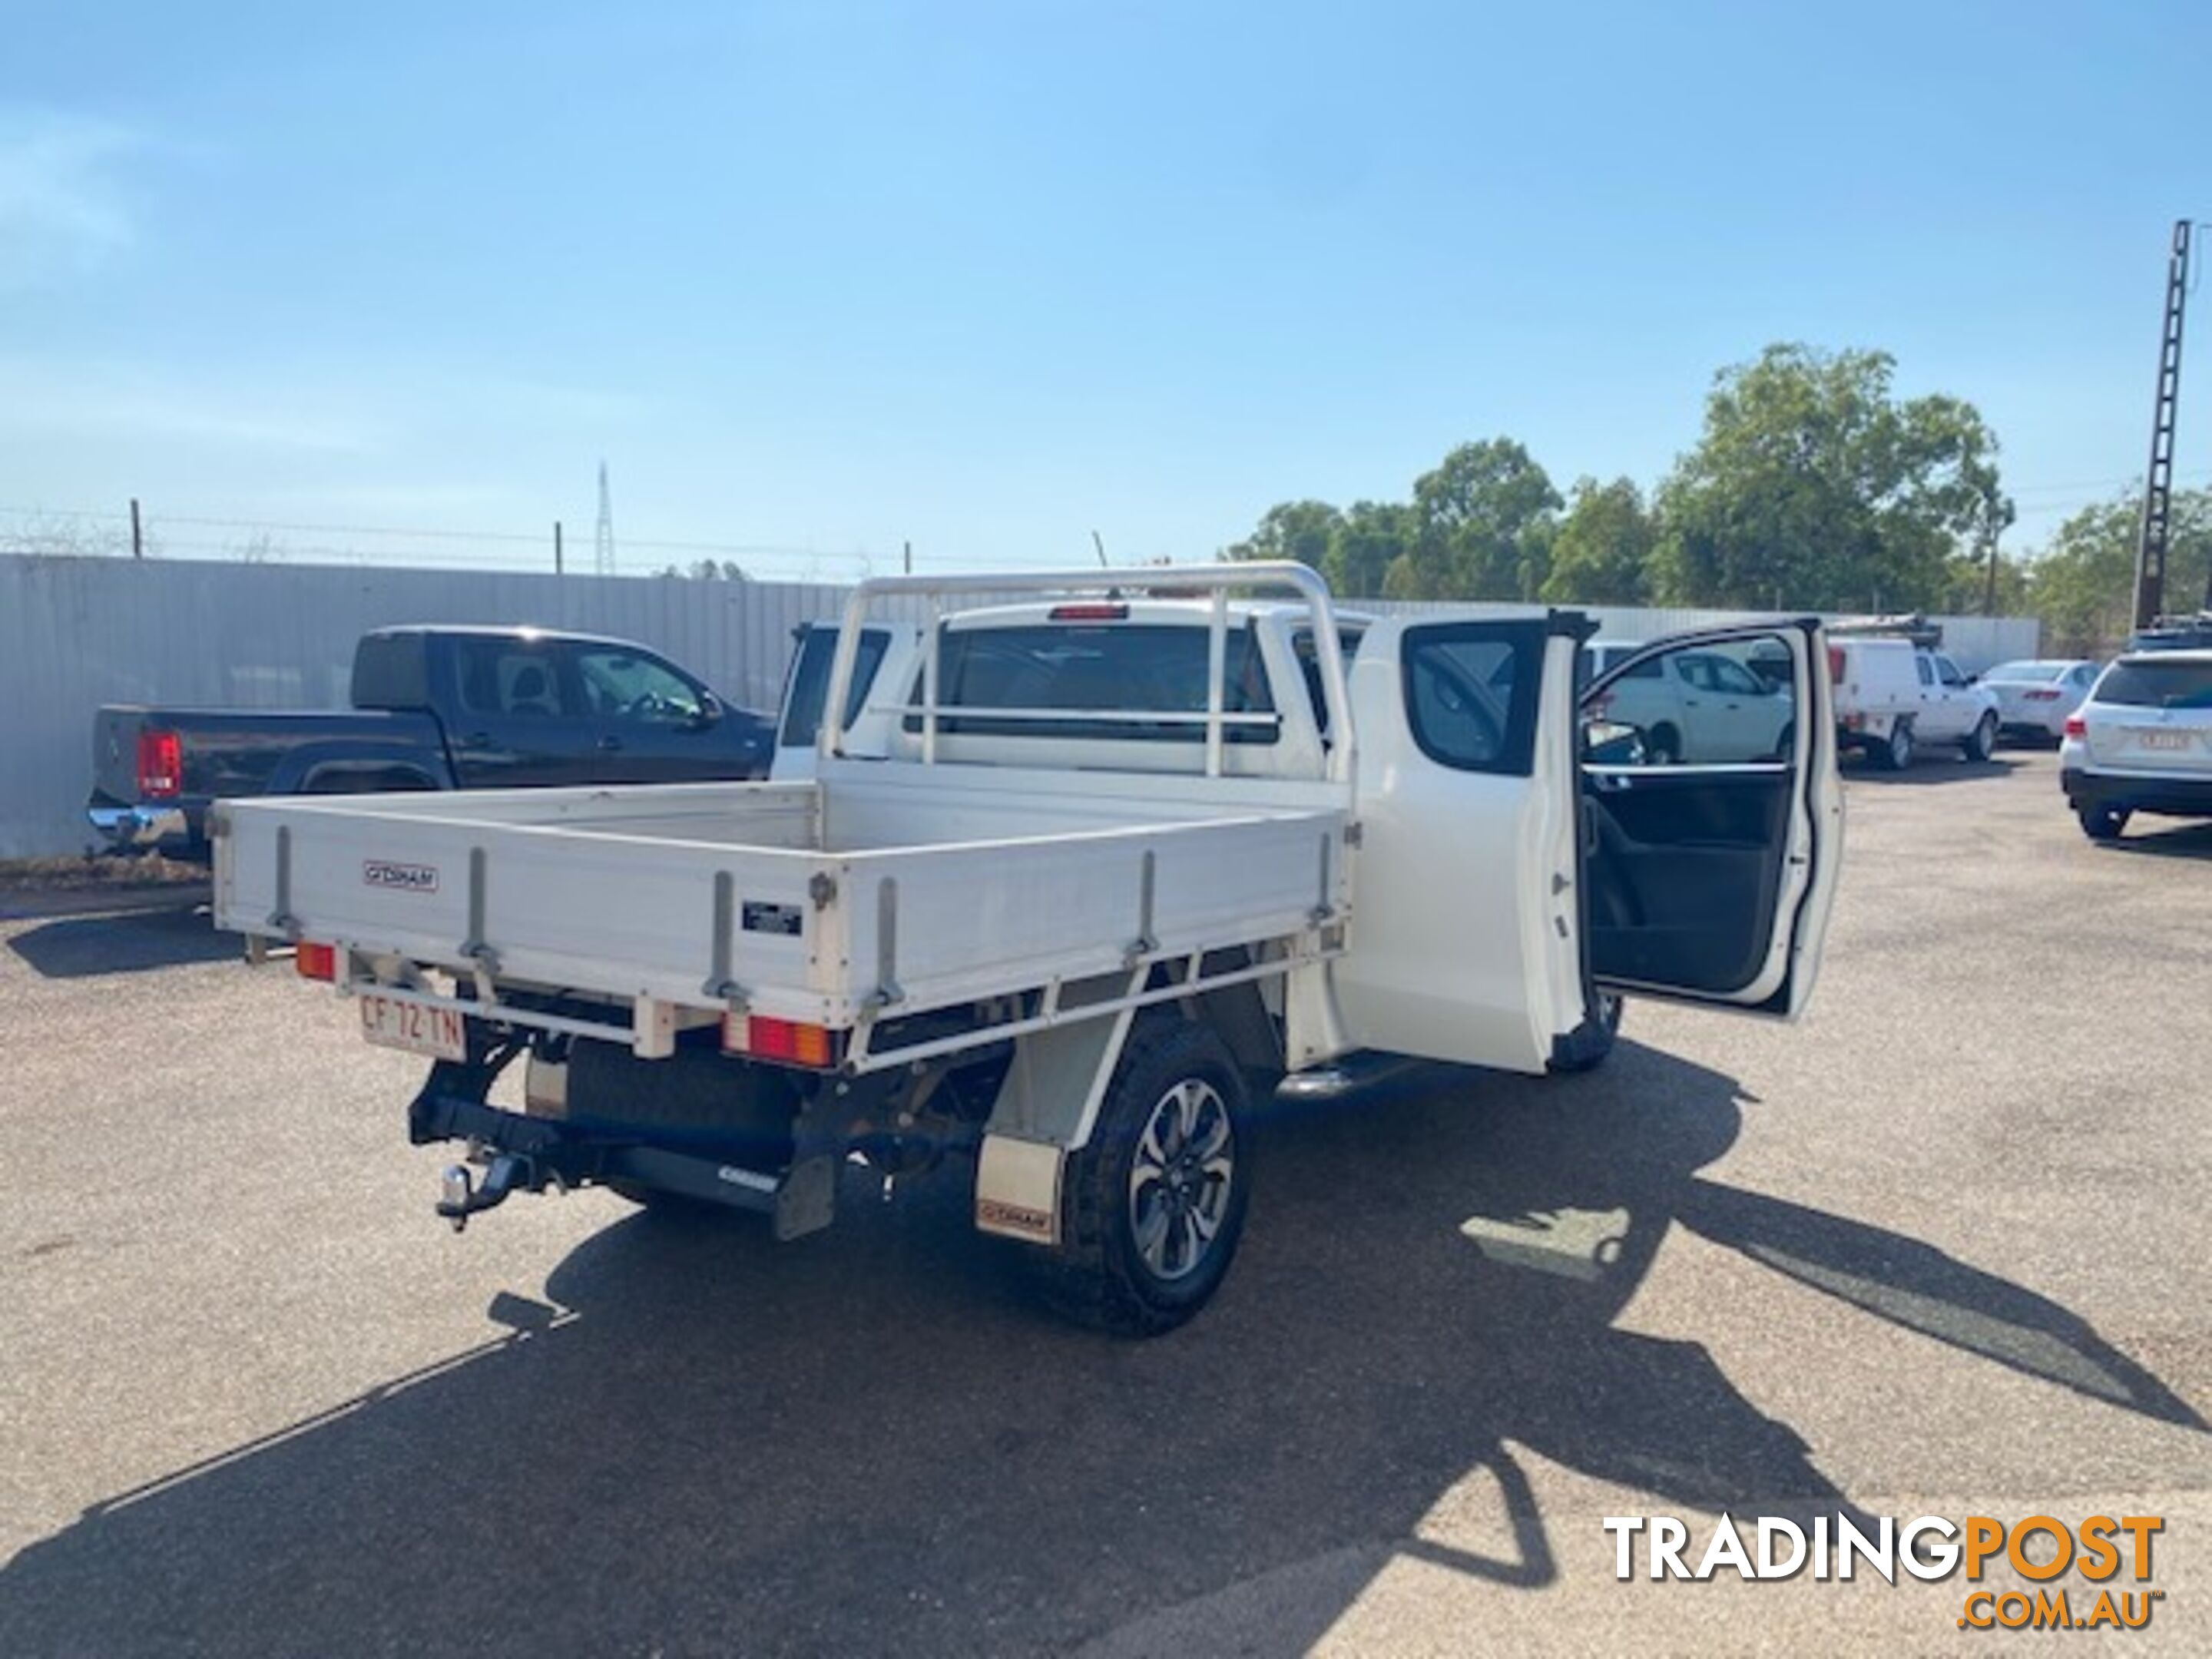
1712 826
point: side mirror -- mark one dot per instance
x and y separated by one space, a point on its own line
710 710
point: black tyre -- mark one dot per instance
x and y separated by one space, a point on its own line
1591 1044
1662 747
1896 752
1151 1210
2103 823
1982 741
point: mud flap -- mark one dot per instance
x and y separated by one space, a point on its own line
1017 1189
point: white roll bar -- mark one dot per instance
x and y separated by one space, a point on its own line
1142 581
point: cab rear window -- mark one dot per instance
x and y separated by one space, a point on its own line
1011 681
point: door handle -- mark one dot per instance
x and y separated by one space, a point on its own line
610 744
478 740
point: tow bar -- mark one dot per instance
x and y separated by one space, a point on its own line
462 1198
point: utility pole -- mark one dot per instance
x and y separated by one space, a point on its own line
137 533
556 547
603 541
1099 542
2158 484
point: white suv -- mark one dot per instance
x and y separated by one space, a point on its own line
2143 742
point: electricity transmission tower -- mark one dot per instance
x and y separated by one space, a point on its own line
2158 486
603 542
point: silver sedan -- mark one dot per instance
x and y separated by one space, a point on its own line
2034 697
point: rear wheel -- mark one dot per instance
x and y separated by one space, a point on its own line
1982 741
2103 823
1897 753
1153 1208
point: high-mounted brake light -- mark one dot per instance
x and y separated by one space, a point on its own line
2042 696
161 765
2076 726
1089 612
792 1042
316 961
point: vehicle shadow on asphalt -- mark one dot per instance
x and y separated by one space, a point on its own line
873 1439
1925 770
2192 840
133 942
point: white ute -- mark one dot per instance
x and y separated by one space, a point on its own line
1893 698
1060 892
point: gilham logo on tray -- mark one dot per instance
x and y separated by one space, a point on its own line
407 877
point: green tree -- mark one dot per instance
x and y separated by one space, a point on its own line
2082 585
1483 525
1814 485
1603 545
1370 537
1292 530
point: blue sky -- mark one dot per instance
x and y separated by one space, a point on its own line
831 276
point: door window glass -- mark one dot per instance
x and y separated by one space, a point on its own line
1730 703
1471 695
1927 670
621 685
810 683
510 676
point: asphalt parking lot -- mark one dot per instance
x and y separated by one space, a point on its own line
1939 1250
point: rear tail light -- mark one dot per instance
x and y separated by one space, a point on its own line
1835 665
161 766
2076 726
316 961
792 1042
1099 612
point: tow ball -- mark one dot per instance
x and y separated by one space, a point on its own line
462 1198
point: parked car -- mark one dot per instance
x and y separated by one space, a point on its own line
2034 697
1696 705
2142 743
1066 889
433 708
2175 634
1894 697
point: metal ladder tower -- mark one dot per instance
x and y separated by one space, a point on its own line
603 539
2158 485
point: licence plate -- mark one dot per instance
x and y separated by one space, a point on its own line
2152 737
440 1033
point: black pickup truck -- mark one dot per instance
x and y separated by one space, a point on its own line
433 709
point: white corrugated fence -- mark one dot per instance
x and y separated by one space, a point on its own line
75 633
